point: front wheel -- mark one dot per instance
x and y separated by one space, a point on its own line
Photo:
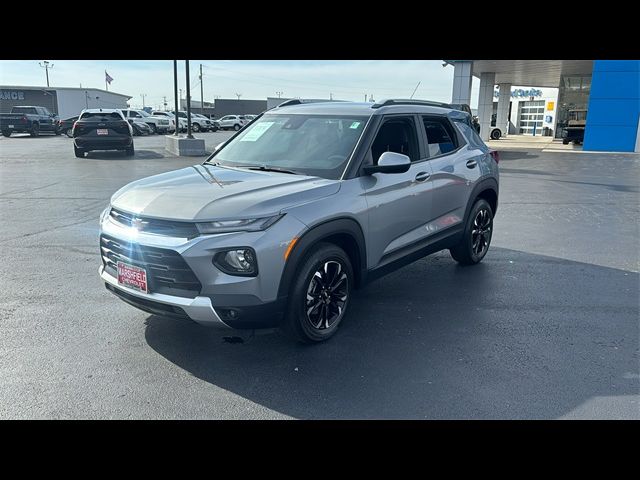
319 297
476 237
236 127
35 131
495 134
6 133
195 127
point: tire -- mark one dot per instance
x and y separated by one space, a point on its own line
565 142
154 129
6 133
474 246
195 127
58 132
78 151
69 132
214 129
236 127
325 267
131 151
496 134
35 130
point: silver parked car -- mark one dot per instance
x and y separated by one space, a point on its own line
232 122
288 216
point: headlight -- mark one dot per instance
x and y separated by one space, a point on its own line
105 214
238 261
246 225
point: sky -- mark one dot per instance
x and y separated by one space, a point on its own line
252 79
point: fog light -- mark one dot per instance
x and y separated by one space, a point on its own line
239 261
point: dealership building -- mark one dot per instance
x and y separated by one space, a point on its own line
609 91
64 101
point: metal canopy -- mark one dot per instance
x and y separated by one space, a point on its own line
530 73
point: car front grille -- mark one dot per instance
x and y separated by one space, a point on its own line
151 225
167 272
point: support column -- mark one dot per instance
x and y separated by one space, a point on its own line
462 76
485 103
504 99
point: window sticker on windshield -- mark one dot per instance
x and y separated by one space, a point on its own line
256 132
355 125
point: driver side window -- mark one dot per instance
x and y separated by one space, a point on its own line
397 134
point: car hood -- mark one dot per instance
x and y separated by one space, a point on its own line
206 192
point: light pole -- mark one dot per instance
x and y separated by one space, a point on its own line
279 94
46 66
201 93
186 64
143 95
175 95
238 95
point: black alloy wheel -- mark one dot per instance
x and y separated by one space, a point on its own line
327 295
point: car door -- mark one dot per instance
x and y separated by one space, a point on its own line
399 205
453 171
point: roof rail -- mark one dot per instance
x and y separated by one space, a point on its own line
401 101
300 101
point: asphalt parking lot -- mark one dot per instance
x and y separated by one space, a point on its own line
546 327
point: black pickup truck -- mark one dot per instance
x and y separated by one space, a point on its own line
31 120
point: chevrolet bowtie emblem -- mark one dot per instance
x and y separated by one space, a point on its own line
136 223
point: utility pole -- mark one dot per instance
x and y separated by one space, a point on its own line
279 94
186 65
143 95
46 67
365 97
175 96
180 97
238 95
165 102
201 93
330 96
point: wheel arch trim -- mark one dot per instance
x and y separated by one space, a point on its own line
315 234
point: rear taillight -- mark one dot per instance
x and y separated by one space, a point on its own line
494 154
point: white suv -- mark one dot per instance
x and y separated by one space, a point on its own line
157 123
172 121
235 122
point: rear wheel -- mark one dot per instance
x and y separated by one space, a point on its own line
320 295
154 129
130 151
236 127
78 151
195 127
476 237
35 130
69 132
495 134
565 142
6 133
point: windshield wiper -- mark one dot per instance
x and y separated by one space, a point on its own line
267 168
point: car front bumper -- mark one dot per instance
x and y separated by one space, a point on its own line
220 300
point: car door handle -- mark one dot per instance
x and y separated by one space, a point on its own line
471 164
422 176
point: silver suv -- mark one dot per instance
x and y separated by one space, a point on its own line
288 216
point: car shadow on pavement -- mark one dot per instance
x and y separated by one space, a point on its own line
117 155
518 336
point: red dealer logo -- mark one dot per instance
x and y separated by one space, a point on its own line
132 277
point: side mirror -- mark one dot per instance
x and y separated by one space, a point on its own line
389 162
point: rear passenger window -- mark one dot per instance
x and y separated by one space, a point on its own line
440 136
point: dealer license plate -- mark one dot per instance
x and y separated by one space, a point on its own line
132 277
10 126
103 131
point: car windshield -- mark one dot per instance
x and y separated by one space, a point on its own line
316 145
143 113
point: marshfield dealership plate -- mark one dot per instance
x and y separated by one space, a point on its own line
102 131
132 277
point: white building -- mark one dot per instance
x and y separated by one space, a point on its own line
64 101
530 109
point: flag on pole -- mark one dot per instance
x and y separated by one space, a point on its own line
107 78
